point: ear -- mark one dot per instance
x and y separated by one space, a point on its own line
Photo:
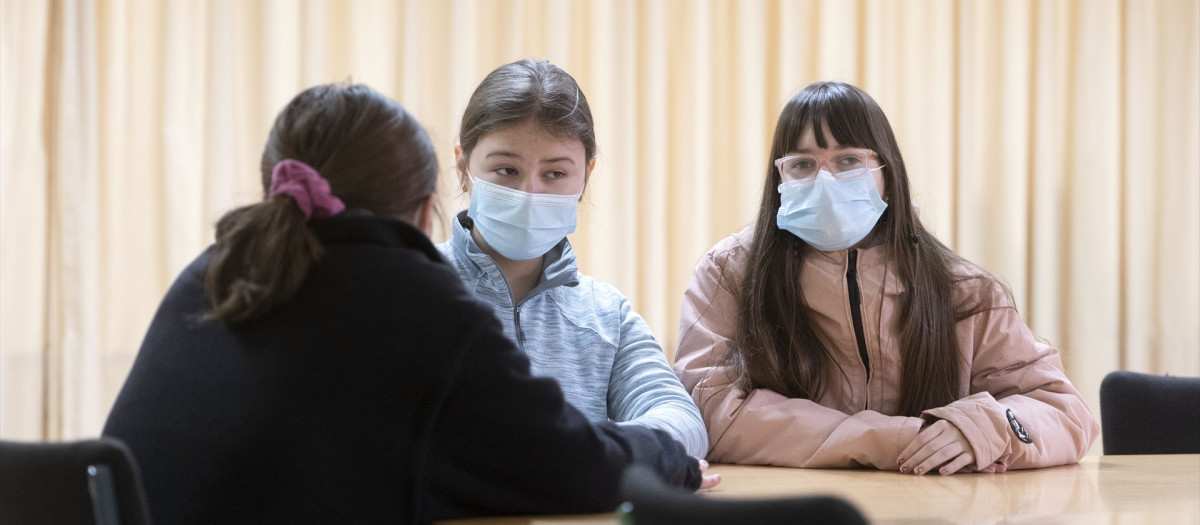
460 167
424 218
587 175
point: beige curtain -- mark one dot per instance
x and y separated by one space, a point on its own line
1054 142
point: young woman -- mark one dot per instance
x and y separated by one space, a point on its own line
527 147
321 363
838 332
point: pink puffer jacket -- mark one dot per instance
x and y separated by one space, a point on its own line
1014 388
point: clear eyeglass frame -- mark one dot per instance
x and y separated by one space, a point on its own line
805 166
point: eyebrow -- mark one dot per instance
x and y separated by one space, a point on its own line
502 153
514 155
558 159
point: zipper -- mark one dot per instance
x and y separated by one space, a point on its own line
536 291
517 326
516 312
856 310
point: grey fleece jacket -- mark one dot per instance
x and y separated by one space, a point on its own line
585 334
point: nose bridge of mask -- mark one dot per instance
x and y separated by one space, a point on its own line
523 197
531 210
827 186
853 174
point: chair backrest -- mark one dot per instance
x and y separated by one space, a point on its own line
90 481
1150 414
649 501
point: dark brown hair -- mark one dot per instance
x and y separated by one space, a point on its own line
775 344
528 90
374 154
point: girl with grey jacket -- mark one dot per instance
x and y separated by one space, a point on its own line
527 147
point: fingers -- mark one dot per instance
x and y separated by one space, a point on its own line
927 443
707 481
940 447
914 446
922 440
956 464
994 468
939 458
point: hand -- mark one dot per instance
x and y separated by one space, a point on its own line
708 481
940 446
994 468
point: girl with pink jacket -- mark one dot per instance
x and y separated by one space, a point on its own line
838 332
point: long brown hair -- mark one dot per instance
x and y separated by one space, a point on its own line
776 345
376 157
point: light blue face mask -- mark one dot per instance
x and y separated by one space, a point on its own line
831 213
520 225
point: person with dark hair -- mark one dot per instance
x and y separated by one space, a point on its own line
836 331
321 363
527 149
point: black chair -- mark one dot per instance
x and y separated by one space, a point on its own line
1150 414
82 482
649 501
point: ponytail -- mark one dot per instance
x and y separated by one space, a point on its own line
264 251
347 138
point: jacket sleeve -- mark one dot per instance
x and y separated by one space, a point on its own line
1018 393
762 426
644 390
506 442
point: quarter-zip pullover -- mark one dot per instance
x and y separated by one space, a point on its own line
585 334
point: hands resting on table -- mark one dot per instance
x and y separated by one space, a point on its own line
708 481
941 446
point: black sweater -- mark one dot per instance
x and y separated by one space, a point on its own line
383 392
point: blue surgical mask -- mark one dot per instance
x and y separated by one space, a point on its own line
520 225
831 213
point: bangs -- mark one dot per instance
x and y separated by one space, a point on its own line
848 127
829 104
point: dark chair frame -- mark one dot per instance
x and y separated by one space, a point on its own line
1150 414
649 501
89 481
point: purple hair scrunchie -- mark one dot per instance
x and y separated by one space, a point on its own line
310 191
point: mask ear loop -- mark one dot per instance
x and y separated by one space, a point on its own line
884 198
912 237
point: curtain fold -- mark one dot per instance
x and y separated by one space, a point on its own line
24 194
1054 142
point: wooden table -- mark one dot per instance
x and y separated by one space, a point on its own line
1100 489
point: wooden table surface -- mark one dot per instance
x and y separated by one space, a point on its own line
1100 489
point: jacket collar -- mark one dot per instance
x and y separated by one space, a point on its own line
870 255
871 260
356 226
558 265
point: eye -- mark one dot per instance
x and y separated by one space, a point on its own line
850 160
803 164
556 174
505 171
